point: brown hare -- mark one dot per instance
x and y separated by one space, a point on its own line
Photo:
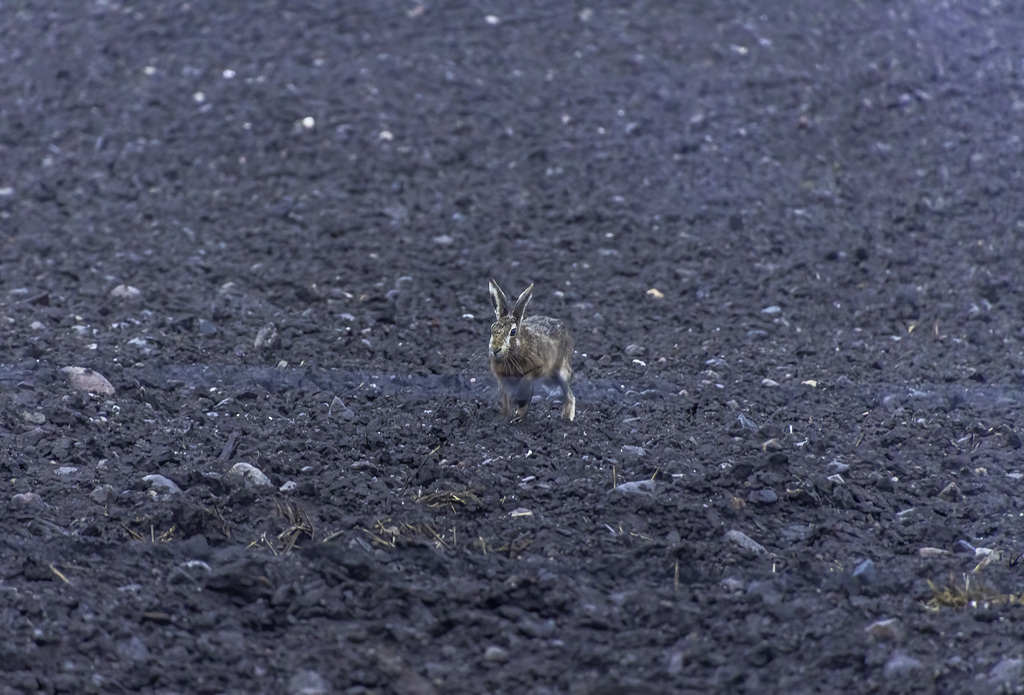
524 349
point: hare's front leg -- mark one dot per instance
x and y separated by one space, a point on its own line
523 396
507 387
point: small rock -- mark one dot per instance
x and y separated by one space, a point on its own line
126 292
951 493
964 548
836 468
772 444
103 494
744 421
133 649
267 337
496 654
732 584
888 630
865 572
746 542
250 474
65 471
25 500
1008 672
900 665
632 350
765 496
288 486
637 451
83 379
307 682
932 552
836 479
344 412
33 418
207 328
162 485
637 487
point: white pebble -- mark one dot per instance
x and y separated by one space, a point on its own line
125 292
83 379
496 654
159 483
638 487
885 630
251 474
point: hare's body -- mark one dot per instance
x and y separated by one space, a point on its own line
525 349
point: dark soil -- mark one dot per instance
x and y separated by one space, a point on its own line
787 236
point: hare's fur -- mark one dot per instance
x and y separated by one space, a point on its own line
524 349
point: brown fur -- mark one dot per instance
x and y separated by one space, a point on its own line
524 349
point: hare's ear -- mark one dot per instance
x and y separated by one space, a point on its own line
498 299
520 308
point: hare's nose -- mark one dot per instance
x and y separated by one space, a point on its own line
496 351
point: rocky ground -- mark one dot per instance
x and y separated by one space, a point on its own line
787 237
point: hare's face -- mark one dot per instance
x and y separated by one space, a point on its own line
503 337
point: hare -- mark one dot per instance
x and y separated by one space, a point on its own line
526 349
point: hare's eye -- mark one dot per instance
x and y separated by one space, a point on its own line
512 332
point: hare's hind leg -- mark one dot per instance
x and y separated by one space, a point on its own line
564 377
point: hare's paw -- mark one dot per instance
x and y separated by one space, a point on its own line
519 415
569 409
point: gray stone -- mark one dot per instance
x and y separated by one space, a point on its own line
267 337
133 649
250 474
126 292
964 548
746 542
889 630
307 682
65 471
1007 672
637 451
865 572
637 487
951 493
26 500
83 379
765 496
496 654
161 484
103 494
900 665
33 418
836 468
